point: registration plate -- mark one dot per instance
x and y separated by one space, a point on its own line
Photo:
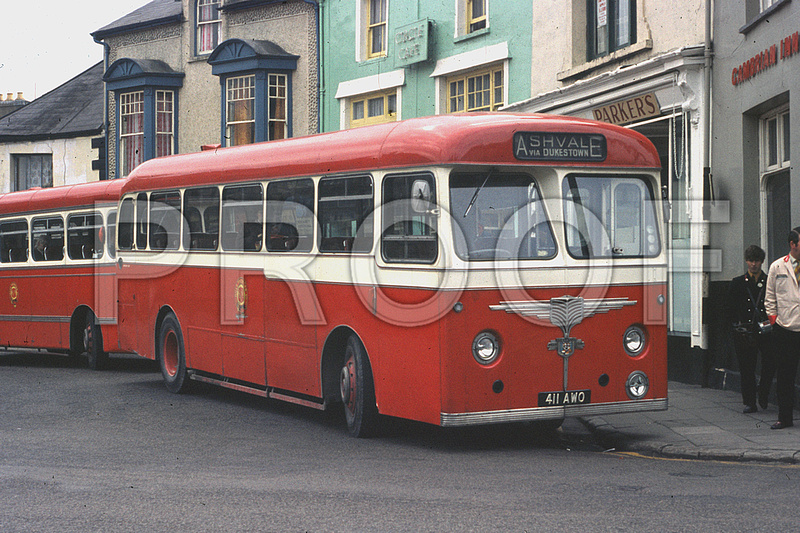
561 398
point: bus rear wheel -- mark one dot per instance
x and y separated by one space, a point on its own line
93 343
358 390
171 355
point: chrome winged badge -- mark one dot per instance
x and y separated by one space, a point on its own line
565 312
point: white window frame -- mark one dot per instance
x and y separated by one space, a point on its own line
239 88
201 24
780 116
131 105
165 105
766 4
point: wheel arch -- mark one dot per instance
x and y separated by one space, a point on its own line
333 359
76 324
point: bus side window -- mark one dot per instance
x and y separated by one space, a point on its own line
47 234
141 221
409 219
242 218
125 225
111 231
14 241
345 206
165 220
84 239
201 218
290 215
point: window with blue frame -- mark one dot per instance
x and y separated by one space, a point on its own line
145 97
256 91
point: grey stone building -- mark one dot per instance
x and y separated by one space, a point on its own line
183 74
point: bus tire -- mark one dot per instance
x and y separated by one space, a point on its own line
358 390
93 343
171 355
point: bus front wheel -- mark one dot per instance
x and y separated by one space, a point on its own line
358 390
171 355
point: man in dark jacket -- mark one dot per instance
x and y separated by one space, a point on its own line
751 330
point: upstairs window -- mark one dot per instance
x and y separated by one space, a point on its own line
476 91
32 170
376 28
131 135
375 108
241 119
476 15
775 142
208 26
611 26
766 4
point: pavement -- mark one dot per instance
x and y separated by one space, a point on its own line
701 423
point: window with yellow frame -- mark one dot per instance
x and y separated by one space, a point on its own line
475 91
376 28
374 108
476 15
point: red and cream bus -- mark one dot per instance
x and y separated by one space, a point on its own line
453 270
57 269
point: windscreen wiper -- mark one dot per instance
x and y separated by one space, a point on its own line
477 191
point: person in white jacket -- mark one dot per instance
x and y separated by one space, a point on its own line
782 303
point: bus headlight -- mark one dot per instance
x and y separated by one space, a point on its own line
637 385
634 341
486 347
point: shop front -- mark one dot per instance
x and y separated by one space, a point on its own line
664 98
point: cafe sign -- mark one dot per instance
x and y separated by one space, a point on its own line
411 43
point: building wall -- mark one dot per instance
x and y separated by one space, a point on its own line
742 43
72 160
737 113
292 25
508 25
559 39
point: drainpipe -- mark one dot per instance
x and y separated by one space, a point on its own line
708 183
106 49
320 80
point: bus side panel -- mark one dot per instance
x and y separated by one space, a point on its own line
290 316
242 325
14 307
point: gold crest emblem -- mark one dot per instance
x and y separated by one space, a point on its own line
241 298
13 293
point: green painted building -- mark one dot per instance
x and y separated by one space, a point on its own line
387 60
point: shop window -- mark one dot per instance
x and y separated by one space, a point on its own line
475 91
375 108
611 26
32 170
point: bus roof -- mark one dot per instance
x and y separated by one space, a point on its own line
473 138
56 198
